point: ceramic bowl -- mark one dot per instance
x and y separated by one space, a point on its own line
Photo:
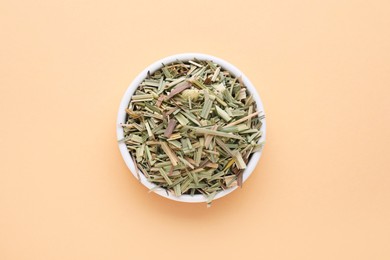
122 118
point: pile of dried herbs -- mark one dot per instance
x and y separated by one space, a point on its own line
191 128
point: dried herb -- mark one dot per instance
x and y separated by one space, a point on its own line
191 128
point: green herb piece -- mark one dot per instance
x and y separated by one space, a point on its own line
140 98
250 111
198 154
242 119
181 119
235 129
216 73
134 137
165 176
149 156
174 136
166 72
175 82
198 84
238 160
206 106
150 133
213 132
223 114
209 138
150 82
186 162
140 152
177 189
194 63
191 117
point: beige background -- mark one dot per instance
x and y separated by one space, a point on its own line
321 190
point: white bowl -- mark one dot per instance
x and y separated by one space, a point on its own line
122 118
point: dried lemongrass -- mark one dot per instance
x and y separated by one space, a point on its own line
171 126
191 128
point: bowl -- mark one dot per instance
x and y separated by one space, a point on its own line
255 157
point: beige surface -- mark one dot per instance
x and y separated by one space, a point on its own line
321 190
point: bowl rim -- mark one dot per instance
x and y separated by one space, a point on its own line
122 116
